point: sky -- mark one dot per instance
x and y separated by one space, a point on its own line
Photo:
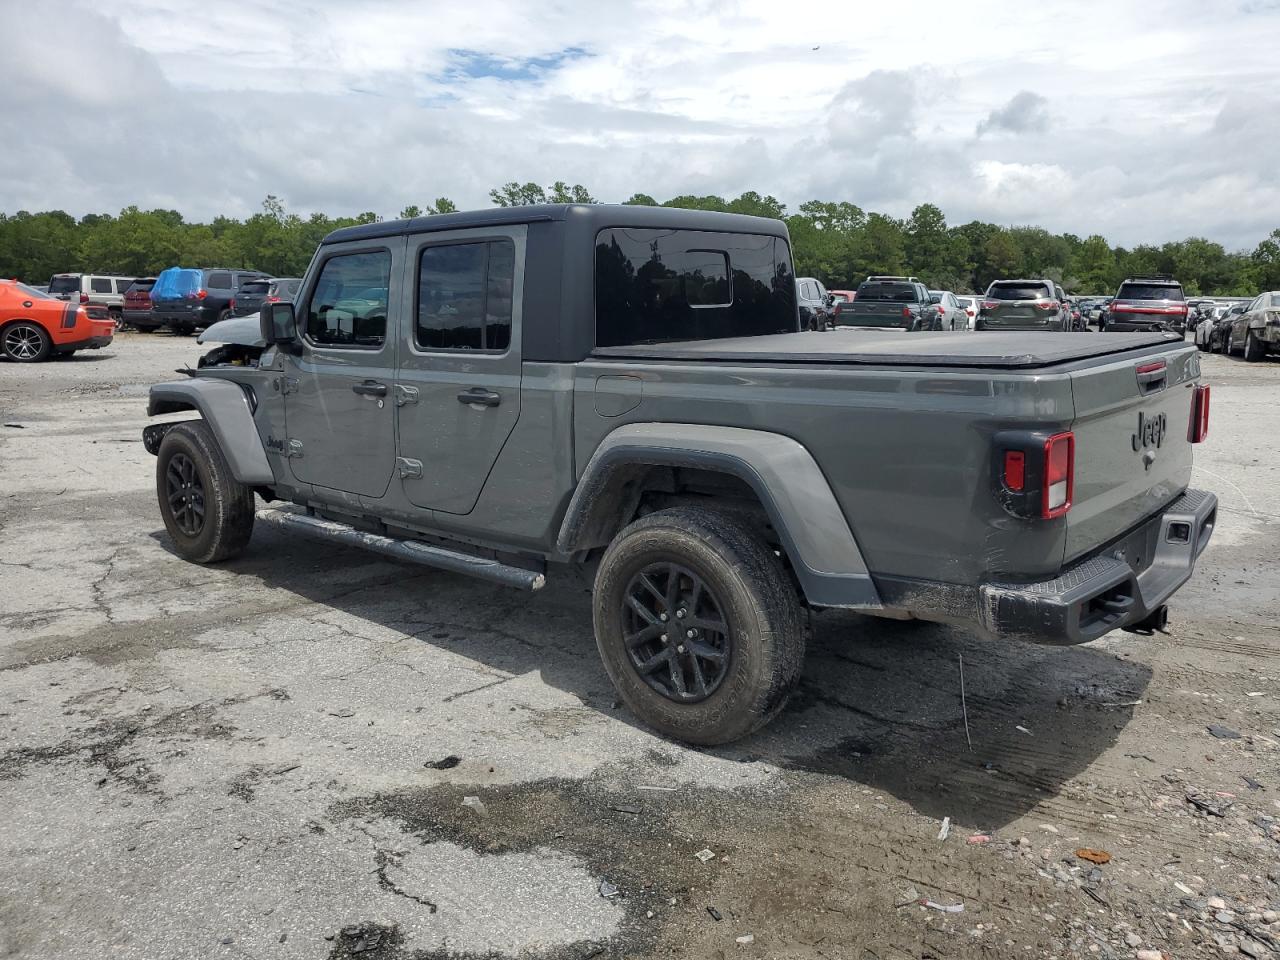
1144 122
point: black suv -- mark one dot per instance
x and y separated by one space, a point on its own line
187 299
1152 302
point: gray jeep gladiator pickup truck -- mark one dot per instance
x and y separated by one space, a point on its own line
508 392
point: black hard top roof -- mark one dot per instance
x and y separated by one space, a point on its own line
595 215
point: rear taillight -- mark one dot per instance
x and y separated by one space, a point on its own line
1047 304
232 305
941 310
1059 475
277 300
197 295
906 311
84 298
990 304
1199 428
1015 470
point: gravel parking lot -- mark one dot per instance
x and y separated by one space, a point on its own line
270 757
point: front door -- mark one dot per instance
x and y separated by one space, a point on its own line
457 391
338 402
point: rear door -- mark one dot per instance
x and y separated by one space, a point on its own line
457 390
1131 441
338 405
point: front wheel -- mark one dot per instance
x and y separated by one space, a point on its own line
25 342
1254 349
208 513
698 624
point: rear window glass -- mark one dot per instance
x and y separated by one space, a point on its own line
1275 300
655 286
839 298
141 286
219 279
64 284
1149 291
1018 291
32 292
255 288
887 290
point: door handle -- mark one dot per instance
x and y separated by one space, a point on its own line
485 398
369 388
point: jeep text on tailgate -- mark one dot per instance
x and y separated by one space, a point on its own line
508 392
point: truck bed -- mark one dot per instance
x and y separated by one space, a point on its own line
894 348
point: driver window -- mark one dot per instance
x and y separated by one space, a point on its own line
348 306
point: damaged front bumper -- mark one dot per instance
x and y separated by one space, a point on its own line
1121 585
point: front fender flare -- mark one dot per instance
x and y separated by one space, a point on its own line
783 474
225 408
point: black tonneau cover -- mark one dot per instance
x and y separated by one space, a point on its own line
988 349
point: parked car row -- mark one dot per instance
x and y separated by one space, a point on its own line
1251 328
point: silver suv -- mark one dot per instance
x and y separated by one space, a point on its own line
107 289
1023 305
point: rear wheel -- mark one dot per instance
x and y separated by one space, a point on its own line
208 513
25 342
1254 349
698 624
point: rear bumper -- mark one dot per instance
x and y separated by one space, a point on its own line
139 317
87 343
1116 587
1139 326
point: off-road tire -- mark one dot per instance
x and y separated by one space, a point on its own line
24 341
1254 349
760 605
228 504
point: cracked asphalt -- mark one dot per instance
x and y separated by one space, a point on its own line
272 757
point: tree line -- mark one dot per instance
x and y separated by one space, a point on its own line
837 242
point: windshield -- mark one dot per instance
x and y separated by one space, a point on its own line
1149 291
887 290
1018 291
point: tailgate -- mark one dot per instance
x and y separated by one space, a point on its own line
1133 452
875 313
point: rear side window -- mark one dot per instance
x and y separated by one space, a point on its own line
1018 291
465 296
655 286
896 291
100 285
218 280
349 303
255 288
64 284
1149 291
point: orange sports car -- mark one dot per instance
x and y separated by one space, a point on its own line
35 326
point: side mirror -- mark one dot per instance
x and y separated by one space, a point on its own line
279 326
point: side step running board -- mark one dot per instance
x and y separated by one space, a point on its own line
412 551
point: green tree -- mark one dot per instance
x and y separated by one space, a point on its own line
410 212
442 205
1093 267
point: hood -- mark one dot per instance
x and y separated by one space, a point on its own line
245 331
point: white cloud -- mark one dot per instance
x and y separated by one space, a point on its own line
349 105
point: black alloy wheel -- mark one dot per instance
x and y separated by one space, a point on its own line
185 494
677 637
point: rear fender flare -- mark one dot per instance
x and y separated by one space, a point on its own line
785 477
226 408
